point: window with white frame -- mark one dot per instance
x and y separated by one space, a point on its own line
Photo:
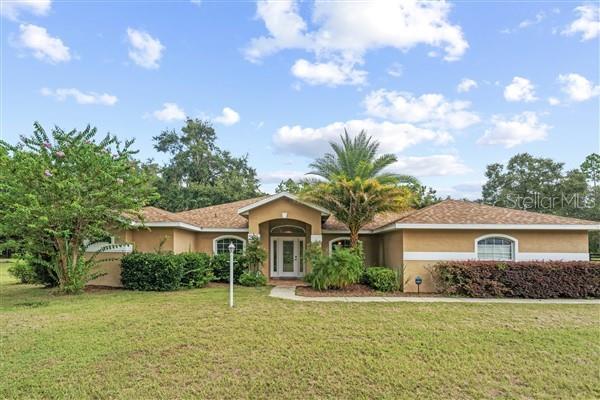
340 243
221 244
496 248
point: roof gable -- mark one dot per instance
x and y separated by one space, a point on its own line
283 195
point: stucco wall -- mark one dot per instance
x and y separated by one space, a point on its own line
183 241
149 239
112 270
464 240
204 240
392 244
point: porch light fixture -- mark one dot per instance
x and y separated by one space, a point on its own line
418 281
231 250
284 215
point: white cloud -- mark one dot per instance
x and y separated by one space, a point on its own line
196 2
431 109
466 85
553 101
13 8
526 23
145 50
169 112
588 23
435 165
278 176
80 97
345 31
577 87
395 70
328 73
44 47
228 117
539 17
521 89
521 128
393 137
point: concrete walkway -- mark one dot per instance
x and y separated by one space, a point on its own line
289 293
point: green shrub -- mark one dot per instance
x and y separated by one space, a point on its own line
382 279
219 264
342 268
24 272
253 278
196 269
254 255
150 271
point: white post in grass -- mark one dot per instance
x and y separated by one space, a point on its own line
231 250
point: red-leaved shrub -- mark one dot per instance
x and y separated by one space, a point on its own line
529 279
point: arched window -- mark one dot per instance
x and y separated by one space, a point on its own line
288 230
496 247
221 244
341 242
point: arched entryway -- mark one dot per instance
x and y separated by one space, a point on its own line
287 248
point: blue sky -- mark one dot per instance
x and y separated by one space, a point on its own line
448 87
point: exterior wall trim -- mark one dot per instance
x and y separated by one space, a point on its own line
466 256
188 227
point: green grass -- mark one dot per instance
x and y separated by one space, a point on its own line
120 344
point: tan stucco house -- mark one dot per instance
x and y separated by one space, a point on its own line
413 240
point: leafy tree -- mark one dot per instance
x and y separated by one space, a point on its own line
524 182
199 173
290 186
63 190
422 196
591 168
540 184
354 187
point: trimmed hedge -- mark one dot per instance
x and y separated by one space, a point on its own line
528 279
219 264
382 279
151 271
197 271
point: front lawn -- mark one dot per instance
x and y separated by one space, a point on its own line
120 344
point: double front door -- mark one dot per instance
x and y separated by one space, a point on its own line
287 257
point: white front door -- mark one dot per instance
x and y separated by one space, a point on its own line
287 257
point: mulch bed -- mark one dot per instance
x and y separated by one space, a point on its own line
357 290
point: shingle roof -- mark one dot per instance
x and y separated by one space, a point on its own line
219 216
446 212
467 212
154 214
380 220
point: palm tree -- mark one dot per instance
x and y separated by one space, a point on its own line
353 186
355 158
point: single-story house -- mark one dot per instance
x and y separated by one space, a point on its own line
413 240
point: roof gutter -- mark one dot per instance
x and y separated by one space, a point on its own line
561 227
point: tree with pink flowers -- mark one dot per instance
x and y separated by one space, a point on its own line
64 190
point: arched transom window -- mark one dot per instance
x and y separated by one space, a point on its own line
221 244
500 248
